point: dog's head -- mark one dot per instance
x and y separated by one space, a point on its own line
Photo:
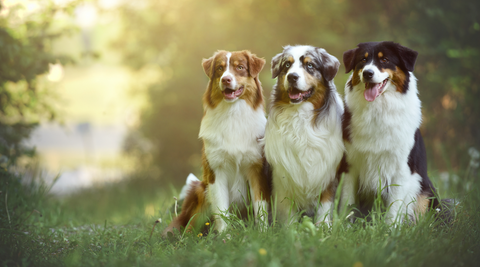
233 76
304 74
381 66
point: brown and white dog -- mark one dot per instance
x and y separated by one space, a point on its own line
381 132
233 162
303 138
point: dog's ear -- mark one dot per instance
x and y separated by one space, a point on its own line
330 64
276 64
407 56
255 64
208 66
349 59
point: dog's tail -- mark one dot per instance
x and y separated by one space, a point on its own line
193 207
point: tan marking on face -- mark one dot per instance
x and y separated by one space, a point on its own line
280 95
318 96
252 92
397 77
213 95
380 54
366 54
307 60
356 77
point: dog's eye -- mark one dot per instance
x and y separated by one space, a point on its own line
384 60
364 60
220 68
240 67
287 65
310 65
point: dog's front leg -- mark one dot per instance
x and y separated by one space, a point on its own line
324 212
401 199
348 193
219 200
260 194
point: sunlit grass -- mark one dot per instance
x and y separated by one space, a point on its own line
111 226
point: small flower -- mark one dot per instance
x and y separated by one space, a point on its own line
207 224
200 235
262 251
358 264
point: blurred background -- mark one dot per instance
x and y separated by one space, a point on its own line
108 91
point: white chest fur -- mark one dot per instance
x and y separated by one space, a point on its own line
230 133
382 134
304 156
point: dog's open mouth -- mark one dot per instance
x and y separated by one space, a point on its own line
297 96
231 94
373 90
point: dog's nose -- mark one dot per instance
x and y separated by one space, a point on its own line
292 77
368 74
226 80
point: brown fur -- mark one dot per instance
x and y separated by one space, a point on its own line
422 205
397 77
329 193
356 77
248 77
208 174
256 179
346 121
195 203
318 95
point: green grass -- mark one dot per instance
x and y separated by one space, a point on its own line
111 226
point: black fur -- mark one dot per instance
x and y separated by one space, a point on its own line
417 161
398 56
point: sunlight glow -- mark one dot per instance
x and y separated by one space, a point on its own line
55 74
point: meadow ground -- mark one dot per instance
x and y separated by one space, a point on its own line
111 226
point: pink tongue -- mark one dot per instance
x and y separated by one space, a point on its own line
229 95
238 92
372 91
294 96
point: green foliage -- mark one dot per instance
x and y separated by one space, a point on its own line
175 36
25 53
446 35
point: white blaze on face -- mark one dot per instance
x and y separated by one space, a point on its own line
233 84
297 52
378 76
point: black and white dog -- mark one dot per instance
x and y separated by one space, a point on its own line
381 131
303 136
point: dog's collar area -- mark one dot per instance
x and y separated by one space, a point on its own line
297 96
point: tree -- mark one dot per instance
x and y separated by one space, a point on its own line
175 36
25 53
